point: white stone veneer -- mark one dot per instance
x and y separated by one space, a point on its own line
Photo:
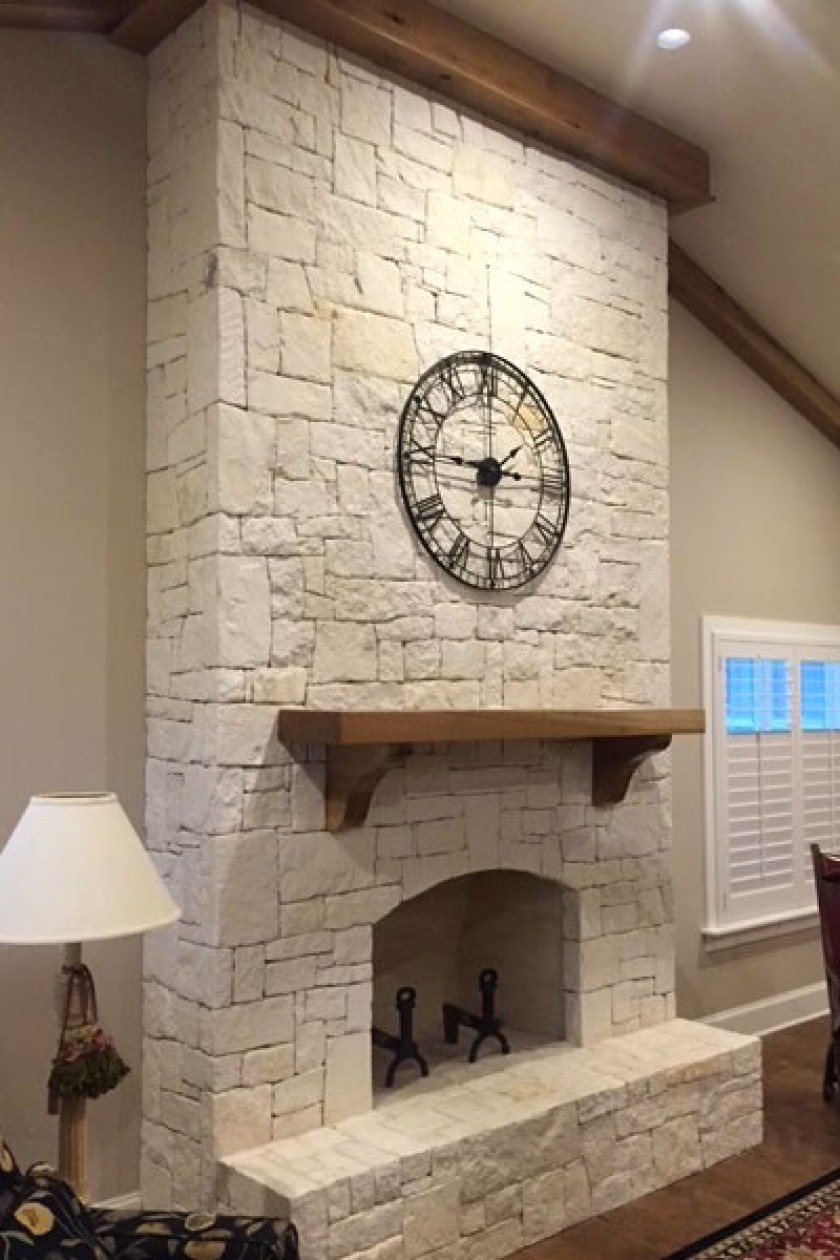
319 234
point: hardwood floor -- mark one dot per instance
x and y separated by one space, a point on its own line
802 1140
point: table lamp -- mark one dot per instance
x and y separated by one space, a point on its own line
73 870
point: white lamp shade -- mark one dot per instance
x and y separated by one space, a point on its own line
74 869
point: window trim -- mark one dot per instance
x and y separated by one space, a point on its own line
716 933
750 931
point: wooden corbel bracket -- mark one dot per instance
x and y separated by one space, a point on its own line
353 775
615 761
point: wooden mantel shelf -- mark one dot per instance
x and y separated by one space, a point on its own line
363 745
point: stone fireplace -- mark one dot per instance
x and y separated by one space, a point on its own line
319 234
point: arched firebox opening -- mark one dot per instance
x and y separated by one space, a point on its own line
443 941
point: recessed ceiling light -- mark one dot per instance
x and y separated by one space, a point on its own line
673 38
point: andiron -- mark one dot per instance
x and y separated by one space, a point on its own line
402 1044
487 1024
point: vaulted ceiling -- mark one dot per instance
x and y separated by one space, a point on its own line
758 87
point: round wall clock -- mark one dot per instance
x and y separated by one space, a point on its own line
483 471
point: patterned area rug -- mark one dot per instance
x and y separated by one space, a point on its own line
804 1225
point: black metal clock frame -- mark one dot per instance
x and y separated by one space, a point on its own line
466 387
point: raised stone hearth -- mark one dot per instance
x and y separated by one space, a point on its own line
319 235
486 1160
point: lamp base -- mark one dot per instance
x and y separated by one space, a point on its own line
72 1117
72 1146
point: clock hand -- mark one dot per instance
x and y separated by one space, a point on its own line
556 483
459 459
438 456
478 463
490 427
510 456
492 499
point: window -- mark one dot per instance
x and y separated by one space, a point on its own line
772 699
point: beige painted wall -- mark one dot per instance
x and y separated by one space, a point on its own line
755 532
72 310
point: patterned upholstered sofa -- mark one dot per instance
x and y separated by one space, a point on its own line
41 1217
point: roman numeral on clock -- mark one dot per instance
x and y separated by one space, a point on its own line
488 378
546 528
554 484
451 384
515 418
495 566
429 414
430 511
524 559
544 440
458 555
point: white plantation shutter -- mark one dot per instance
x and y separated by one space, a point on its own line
821 748
756 781
773 766
821 788
759 794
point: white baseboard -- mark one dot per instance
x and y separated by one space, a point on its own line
122 1202
774 1013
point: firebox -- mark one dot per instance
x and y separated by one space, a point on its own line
441 945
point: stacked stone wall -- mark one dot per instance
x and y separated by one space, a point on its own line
318 235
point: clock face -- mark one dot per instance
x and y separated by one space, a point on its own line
483 471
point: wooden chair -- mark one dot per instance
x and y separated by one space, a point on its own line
827 880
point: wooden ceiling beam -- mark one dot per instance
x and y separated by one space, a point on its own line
95 16
722 315
149 22
415 39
